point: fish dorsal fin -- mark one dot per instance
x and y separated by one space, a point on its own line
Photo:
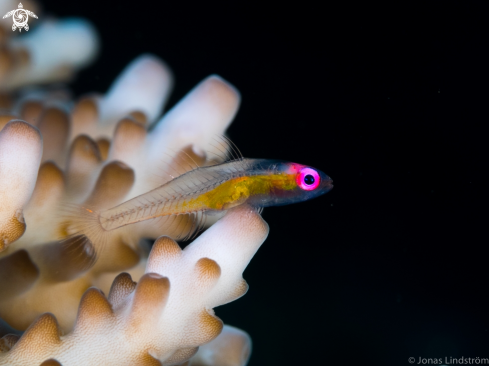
223 150
220 150
174 164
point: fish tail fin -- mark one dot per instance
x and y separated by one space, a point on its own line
82 232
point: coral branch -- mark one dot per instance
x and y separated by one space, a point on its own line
144 86
166 316
98 152
51 52
20 155
231 348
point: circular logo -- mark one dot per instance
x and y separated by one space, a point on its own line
20 18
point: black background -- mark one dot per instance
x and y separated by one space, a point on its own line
390 100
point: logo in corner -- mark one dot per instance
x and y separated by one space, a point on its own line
21 16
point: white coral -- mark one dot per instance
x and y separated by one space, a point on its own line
20 155
102 150
135 162
164 317
52 51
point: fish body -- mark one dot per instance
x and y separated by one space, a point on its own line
194 195
256 182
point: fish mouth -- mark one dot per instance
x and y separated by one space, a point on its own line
328 183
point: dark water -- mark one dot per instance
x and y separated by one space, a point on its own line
391 102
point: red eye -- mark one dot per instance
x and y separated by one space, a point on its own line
308 179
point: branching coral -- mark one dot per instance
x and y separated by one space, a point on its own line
135 163
100 151
165 316
51 51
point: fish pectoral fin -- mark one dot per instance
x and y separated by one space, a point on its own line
238 199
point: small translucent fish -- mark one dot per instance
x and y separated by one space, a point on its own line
256 182
210 190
